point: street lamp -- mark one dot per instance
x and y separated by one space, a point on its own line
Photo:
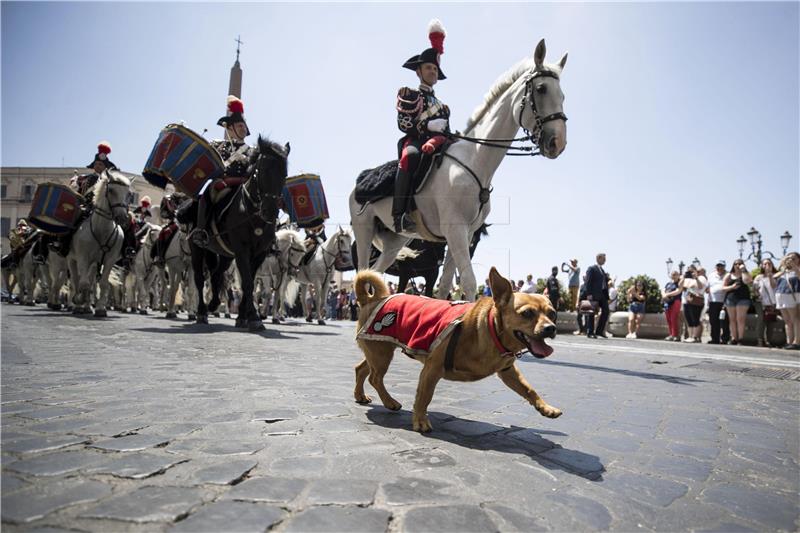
741 242
785 239
669 266
696 263
680 266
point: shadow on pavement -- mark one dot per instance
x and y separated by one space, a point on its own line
485 436
213 328
632 373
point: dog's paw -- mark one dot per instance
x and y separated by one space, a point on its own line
363 399
423 425
393 405
549 411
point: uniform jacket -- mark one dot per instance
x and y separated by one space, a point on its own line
236 160
416 324
416 109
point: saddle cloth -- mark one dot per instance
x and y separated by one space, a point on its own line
416 324
376 183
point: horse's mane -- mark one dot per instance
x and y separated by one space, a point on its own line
503 83
100 187
266 146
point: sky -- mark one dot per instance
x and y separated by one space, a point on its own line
683 117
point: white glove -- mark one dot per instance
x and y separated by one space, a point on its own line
438 124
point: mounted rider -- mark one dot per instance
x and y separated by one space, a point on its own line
423 119
84 185
19 240
168 213
236 155
137 228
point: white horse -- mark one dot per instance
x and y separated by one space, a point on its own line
145 273
454 201
277 270
57 271
28 274
177 265
98 242
319 270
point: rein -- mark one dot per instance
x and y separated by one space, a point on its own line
534 137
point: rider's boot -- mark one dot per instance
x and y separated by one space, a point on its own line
402 194
199 234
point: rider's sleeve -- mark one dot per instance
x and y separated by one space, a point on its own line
409 106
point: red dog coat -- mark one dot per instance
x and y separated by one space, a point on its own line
416 324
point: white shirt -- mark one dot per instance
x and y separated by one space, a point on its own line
612 298
530 287
716 293
766 293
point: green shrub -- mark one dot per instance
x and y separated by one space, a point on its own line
653 303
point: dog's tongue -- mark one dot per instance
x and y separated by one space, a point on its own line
540 348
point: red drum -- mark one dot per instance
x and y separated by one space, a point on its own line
184 158
55 209
305 202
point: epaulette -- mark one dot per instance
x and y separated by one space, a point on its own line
410 103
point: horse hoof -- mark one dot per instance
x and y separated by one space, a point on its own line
321 322
202 319
216 315
241 324
142 311
309 319
275 320
172 315
255 325
191 317
227 315
101 313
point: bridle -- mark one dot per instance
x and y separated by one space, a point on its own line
301 251
535 136
111 241
257 198
109 214
339 251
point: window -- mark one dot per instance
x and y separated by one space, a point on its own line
3 191
27 193
5 226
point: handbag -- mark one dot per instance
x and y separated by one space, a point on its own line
694 299
587 306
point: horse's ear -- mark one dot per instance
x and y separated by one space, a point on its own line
288 148
538 54
563 61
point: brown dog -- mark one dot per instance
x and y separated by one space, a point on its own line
493 330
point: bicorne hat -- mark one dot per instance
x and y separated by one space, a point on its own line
436 34
103 149
235 114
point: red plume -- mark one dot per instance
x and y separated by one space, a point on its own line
104 148
235 105
437 33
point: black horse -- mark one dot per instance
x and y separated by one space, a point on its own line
246 227
426 264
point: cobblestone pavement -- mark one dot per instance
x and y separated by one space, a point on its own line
138 423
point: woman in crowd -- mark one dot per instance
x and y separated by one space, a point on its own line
764 286
694 287
787 298
671 295
736 285
637 296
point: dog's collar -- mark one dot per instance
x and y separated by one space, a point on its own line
495 338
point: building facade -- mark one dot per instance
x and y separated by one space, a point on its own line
18 185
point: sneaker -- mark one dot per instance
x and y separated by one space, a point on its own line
591 336
630 336
790 347
712 342
577 332
690 339
670 338
635 336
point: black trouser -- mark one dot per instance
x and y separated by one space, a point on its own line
409 162
714 310
601 323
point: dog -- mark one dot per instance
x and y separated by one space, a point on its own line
458 341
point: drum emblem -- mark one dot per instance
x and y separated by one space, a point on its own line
67 207
302 200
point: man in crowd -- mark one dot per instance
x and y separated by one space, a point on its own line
530 286
573 283
716 300
597 291
553 288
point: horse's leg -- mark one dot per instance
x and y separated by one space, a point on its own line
363 233
404 277
198 266
446 279
322 297
458 246
392 244
253 321
218 283
430 281
100 308
244 317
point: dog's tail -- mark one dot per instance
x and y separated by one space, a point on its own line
369 287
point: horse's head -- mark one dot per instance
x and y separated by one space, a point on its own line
111 196
268 170
542 111
340 244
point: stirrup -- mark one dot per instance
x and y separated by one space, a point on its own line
199 237
130 252
407 224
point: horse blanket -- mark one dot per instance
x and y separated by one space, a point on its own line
416 324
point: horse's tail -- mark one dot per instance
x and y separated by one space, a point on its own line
365 280
406 253
292 290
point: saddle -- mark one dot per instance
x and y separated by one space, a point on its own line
376 183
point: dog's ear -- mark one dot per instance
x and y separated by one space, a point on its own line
502 292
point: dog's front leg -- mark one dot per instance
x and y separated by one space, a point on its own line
512 377
428 378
